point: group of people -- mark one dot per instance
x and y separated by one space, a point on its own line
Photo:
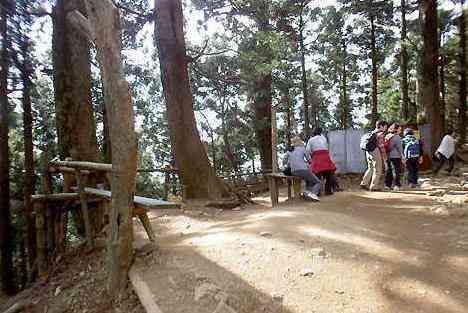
312 162
389 150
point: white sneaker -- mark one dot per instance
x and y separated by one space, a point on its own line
313 197
396 188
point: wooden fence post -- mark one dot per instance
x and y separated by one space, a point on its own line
84 208
42 264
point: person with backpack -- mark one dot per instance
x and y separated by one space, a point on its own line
413 153
394 150
373 144
446 152
298 160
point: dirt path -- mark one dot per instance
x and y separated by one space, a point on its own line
353 252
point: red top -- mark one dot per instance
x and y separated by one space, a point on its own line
321 161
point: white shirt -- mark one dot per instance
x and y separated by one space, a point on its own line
447 146
317 143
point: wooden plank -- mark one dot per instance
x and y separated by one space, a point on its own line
141 202
64 169
143 291
282 176
84 165
55 197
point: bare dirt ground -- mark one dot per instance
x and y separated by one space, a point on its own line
352 252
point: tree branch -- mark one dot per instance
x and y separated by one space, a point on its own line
146 16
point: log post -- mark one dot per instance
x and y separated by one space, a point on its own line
41 244
84 208
274 140
105 27
167 182
145 221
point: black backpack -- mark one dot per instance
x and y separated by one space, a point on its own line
369 141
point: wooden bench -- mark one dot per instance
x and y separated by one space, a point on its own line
275 180
142 206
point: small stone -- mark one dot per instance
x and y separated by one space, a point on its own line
224 308
265 234
82 274
277 297
320 252
307 272
57 291
339 292
204 290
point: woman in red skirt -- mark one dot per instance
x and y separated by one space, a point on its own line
321 163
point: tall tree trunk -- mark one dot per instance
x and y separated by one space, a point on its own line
374 113
462 125
227 143
261 99
443 94
420 65
430 88
104 22
6 238
304 75
73 97
344 88
198 176
404 66
289 114
29 179
72 85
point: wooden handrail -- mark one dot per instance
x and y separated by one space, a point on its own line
80 165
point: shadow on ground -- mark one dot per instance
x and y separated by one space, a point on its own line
414 263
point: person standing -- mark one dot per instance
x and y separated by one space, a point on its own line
322 165
413 153
298 160
446 152
375 155
394 150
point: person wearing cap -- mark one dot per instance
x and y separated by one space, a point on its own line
413 153
298 160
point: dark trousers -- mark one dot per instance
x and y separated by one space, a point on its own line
393 174
412 167
330 181
442 159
